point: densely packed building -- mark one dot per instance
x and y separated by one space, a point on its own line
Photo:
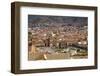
57 35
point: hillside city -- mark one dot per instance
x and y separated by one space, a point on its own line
57 40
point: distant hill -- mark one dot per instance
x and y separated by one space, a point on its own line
44 21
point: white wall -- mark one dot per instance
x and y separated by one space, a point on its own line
5 33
